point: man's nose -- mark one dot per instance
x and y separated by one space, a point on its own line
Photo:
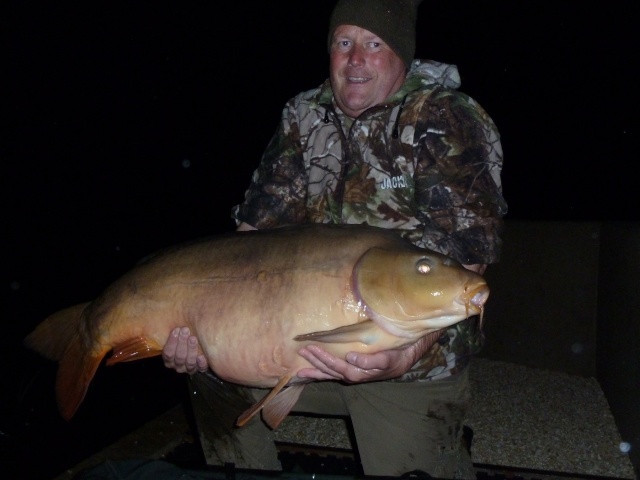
356 56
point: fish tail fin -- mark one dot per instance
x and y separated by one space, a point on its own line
75 372
52 336
58 338
276 404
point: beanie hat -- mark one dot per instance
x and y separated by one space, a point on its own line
394 21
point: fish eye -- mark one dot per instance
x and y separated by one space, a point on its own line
423 266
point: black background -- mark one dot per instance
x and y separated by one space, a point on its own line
131 126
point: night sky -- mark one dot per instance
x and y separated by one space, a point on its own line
131 126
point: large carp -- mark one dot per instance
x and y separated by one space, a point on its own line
255 298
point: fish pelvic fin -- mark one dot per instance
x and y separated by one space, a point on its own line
58 338
134 349
277 409
276 404
366 332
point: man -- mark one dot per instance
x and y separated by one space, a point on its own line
388 141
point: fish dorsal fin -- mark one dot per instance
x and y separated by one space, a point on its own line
134 349
278 408
366 332
256 407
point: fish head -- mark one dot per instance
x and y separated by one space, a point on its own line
411 291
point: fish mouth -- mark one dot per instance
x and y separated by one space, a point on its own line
479 296
475 300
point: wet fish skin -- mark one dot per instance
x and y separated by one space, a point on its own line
255 298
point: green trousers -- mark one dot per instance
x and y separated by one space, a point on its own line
399 427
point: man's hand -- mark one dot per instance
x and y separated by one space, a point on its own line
361 367
182 352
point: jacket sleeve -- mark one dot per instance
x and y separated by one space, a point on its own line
277 193
457 179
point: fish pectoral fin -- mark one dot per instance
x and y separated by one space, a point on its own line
255 408
366 332
134 349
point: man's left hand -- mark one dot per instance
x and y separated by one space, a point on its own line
362 367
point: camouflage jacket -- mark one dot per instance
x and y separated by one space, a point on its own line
427 162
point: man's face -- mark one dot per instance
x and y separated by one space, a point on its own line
364 70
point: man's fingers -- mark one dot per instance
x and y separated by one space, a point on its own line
357 368
191 355
314 374
182 352
322 361
182 349
375 361
169 349
201 363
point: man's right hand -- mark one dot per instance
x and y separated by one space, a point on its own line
182 352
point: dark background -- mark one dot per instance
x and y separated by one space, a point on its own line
131 126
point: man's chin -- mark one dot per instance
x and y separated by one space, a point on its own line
355 106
